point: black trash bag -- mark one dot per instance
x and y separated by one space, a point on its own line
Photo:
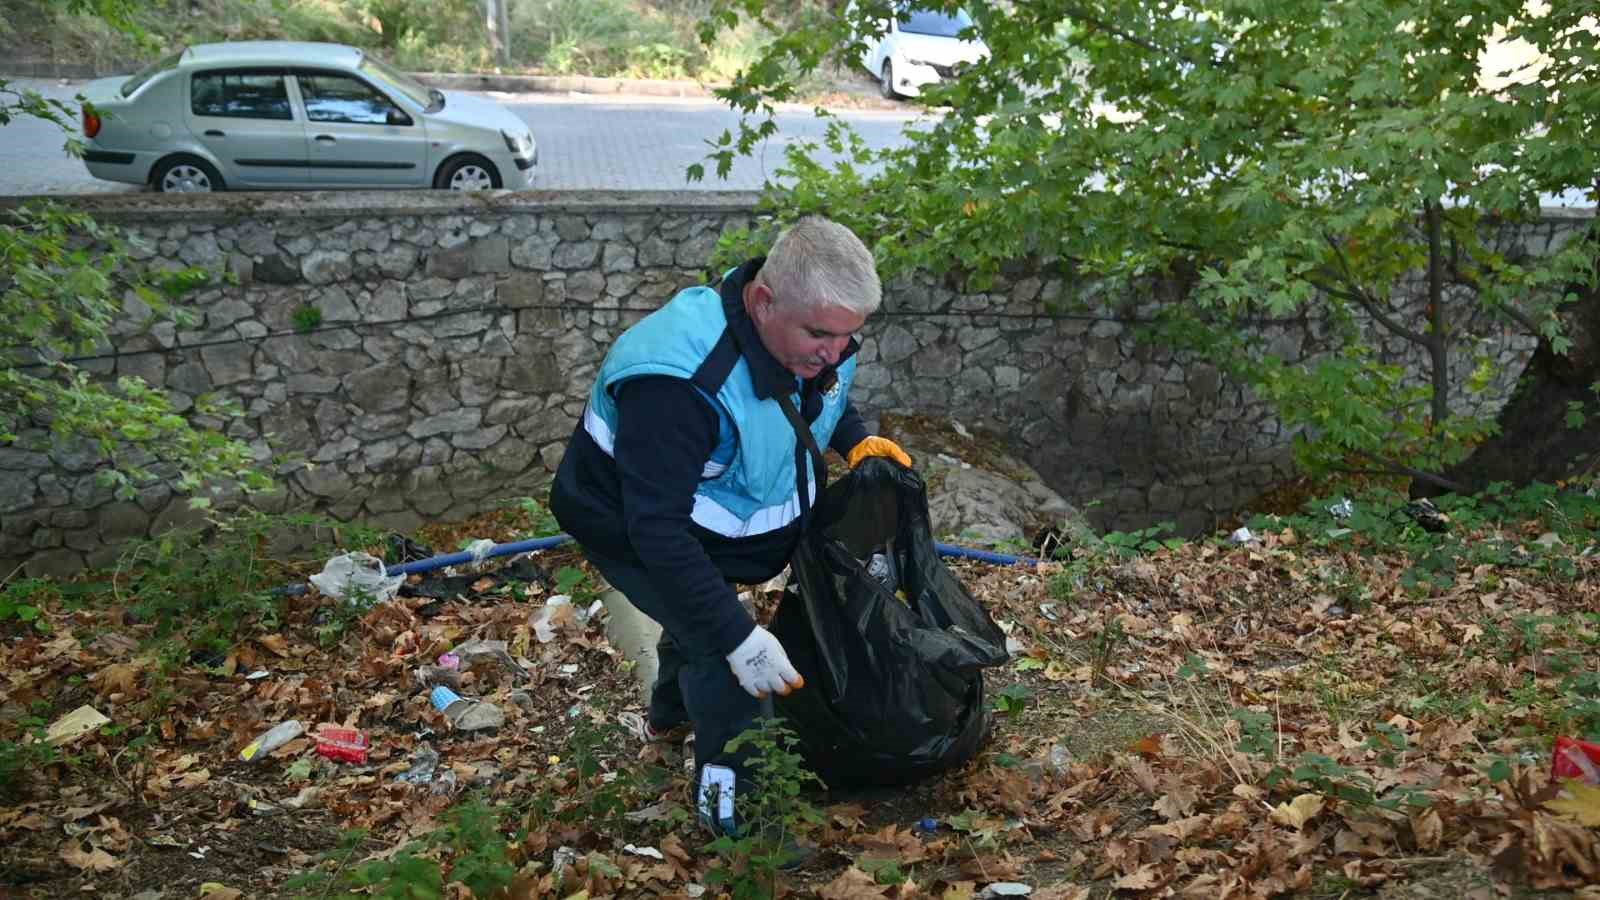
892 657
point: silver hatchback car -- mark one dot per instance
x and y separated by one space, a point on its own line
280 115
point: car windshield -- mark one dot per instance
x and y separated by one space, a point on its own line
148 72
938 24
395 80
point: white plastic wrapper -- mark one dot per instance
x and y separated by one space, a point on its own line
357 579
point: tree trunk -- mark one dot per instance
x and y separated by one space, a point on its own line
1535 443
495 19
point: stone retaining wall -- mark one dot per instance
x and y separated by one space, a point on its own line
456 337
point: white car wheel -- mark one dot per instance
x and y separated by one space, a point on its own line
187 176
468 173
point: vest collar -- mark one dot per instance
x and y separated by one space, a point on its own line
770 378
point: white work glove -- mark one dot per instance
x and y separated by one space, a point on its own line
762 667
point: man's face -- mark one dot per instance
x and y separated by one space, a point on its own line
804 338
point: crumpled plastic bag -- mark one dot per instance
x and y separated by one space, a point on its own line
358 579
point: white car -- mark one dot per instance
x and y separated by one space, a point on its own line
919 48
280 115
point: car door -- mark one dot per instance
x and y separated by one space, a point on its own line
245 118
358 136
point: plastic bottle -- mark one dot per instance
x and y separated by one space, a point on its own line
881 567
272 739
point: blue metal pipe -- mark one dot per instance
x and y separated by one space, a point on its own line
456 559
987 556
545 543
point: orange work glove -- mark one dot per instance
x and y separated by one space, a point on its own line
877 446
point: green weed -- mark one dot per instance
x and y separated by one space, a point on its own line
770 809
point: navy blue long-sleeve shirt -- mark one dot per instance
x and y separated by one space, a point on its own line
635 503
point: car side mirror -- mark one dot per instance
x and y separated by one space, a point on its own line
397 117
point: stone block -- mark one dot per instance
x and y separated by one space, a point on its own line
491 254
449 422
326 266
520 291
451 264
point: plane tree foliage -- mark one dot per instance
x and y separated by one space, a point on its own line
1360 162
65 279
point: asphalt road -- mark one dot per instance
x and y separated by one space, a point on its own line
586 142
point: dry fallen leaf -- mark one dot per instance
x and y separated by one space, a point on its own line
1583 805
95 860
1429 829
1297 812
851 883
1146 877
277 643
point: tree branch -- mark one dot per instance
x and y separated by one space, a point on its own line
1394 467
1368 303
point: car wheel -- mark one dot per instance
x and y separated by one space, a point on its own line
467 173
186 175
886 81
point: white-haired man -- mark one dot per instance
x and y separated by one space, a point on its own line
696 464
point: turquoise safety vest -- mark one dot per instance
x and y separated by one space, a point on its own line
748 483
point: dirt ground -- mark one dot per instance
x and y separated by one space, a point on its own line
1271 719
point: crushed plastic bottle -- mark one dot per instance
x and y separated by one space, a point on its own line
272 739
880 565
1059 760
465 714
423 762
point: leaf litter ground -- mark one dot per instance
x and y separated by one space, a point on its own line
1268 719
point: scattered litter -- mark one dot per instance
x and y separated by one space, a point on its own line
466 714
1048 610
359 579
75 724
449 661
271 739
262 807
1576 759
927 824
480 550
342 744
444 784
403 550
655 812
428 676
484 774
651 852
449 587
257 675
1007 889
1343 509
201 852
1549 539
1424 513
476 650
524 701
544 620
423 762
1242 536
307 796
961 429
569 669
1059 760
561 859
694 890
